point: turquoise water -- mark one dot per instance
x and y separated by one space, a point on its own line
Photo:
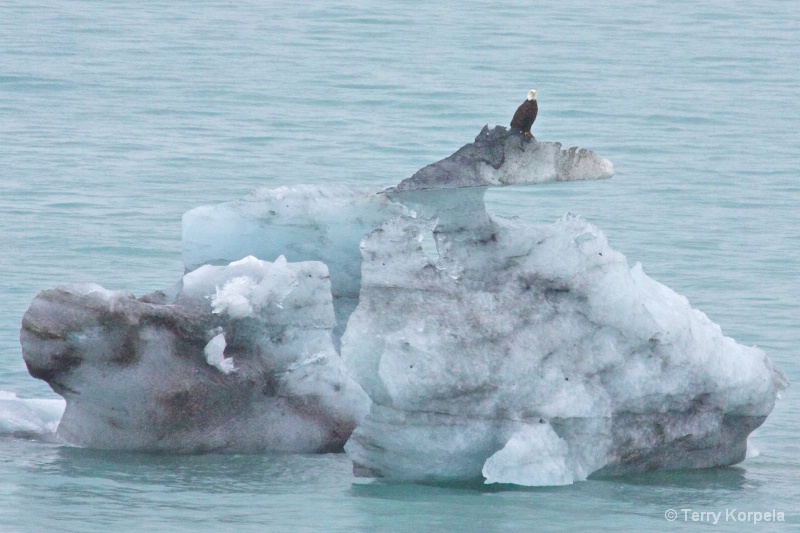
115 118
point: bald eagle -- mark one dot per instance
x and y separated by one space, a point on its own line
526 114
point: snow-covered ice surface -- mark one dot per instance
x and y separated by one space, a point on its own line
459 345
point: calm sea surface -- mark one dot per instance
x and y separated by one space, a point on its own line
117 117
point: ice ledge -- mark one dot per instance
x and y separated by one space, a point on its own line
500 157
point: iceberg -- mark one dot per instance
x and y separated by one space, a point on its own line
427 338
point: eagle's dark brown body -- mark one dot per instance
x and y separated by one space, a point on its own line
525 115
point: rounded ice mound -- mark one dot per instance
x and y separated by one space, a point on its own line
238 359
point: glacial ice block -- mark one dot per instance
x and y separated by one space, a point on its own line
538 356
239 359
301 223
532 355
458 344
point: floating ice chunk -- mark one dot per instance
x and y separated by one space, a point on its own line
461 327
543 322
29 417
152 373
534 456
215 354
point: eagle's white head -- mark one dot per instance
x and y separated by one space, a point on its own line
532 94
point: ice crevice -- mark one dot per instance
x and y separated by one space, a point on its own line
429 339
